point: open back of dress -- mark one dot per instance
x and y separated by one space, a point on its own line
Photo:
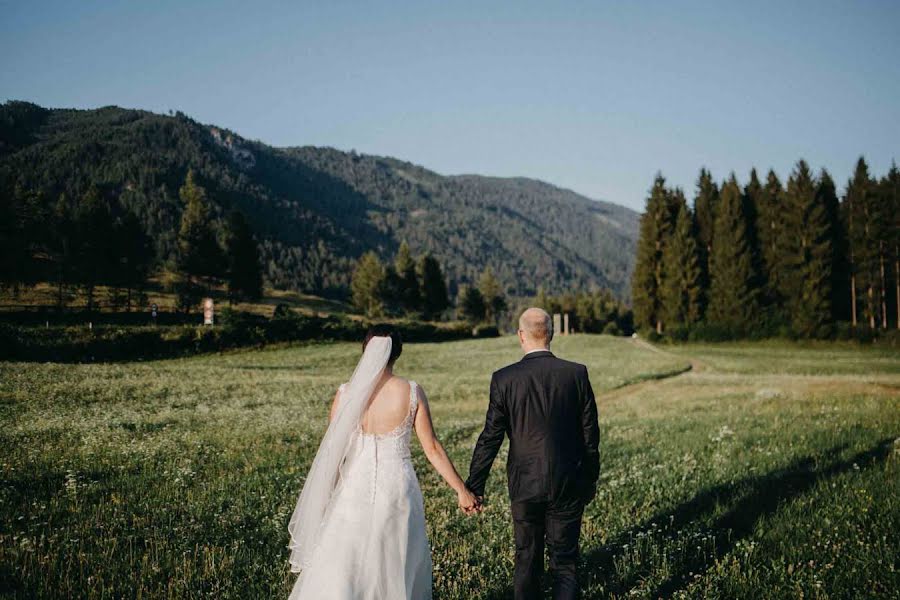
389 407
374 544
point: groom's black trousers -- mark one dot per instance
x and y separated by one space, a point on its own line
559 523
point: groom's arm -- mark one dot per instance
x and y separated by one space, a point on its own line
591 435
489 442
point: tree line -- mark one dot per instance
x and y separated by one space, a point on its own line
484 303
93 240
410 287
595 311
201 259
770 259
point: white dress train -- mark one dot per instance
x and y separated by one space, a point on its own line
373 545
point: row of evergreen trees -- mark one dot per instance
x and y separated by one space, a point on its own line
483 303
417 289
409 287
83 244
93 241
770 259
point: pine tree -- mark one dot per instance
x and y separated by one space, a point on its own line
705 203
471 305
8 218
244 271
494 298
135 256
434 288
891 187
733 298
753 197
408 283
860 203
367 285
63 247
586 312
541 300
199 253
882 245
681 291
392 293
770 232
656 226
808 289
22 237
826 194
94 226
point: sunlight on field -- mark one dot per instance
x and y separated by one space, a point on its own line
45 295
766 470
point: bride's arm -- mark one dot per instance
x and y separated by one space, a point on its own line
334 405
436 454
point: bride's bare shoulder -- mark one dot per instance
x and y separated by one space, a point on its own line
397 382
401 384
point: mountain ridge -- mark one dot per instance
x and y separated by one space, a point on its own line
315 208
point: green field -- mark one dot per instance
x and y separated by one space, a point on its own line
158 291
756 470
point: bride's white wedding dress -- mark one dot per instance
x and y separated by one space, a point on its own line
372 544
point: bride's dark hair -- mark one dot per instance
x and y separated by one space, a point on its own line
386 330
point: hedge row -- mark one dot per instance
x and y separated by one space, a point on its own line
110 343
704 332
40 315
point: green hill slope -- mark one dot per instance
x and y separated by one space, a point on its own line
317 209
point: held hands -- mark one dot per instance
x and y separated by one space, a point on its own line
469 502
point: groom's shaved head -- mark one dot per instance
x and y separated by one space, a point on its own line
535 323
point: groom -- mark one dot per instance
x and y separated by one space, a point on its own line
546 406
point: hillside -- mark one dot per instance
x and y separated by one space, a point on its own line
316 210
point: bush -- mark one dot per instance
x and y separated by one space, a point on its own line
485 331
770 325
650 335
678 333
612 328
423 331
234 329
843 331
890 338
710 332
786 332
80 344
282 311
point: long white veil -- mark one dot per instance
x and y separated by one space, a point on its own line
324 474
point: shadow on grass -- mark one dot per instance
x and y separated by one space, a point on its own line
294 368
652 377
730 511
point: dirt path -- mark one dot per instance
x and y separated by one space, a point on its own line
628 389
803 385
697 366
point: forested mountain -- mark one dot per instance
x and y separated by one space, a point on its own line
316 210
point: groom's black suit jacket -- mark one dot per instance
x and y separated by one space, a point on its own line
546 406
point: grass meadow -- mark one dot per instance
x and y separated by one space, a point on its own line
745 470
44 295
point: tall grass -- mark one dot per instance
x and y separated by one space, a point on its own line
768 470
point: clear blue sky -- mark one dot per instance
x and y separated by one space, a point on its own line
591 96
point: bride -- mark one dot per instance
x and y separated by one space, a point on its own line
358 531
